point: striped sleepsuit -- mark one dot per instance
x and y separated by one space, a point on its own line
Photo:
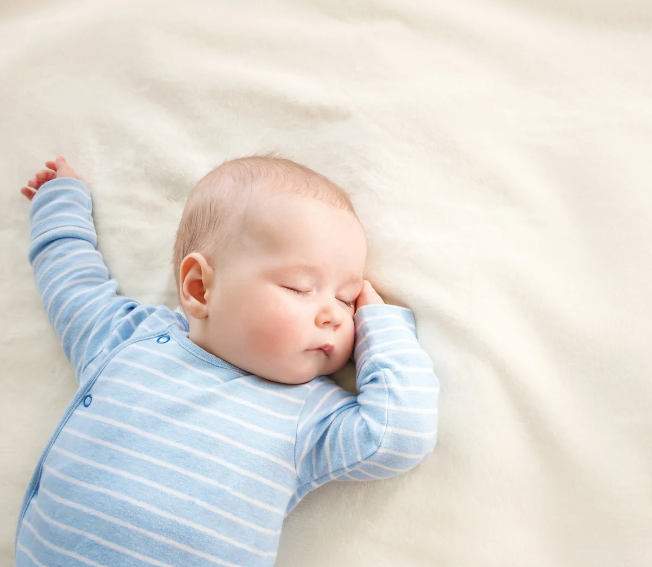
168 455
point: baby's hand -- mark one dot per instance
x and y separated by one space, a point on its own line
368 296
58 168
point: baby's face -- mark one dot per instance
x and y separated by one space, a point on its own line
288 288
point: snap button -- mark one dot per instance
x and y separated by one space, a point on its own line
163 339
87 400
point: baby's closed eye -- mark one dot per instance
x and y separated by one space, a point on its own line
350 304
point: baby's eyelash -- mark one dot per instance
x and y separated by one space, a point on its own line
350 304
299 292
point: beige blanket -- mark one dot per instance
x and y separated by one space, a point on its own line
499 154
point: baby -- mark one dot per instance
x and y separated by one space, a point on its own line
190 438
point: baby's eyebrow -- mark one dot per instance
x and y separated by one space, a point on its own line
352 278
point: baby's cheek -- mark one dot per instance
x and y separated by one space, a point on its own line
348 338
277 331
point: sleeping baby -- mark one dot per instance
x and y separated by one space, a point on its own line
193 433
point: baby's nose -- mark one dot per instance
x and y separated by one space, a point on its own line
328 316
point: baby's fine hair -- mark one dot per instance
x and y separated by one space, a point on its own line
215 210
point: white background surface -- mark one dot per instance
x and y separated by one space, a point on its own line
499 154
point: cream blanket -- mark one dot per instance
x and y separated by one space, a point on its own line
499 156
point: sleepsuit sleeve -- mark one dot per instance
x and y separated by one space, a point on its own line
79 298
390 426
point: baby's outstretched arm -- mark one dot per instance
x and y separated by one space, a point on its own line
77 293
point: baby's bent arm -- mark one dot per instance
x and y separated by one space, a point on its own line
390 426
80 299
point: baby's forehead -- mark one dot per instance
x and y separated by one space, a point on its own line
315 270
305 237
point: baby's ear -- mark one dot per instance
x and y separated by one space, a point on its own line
195 279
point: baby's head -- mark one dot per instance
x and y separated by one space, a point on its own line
269 260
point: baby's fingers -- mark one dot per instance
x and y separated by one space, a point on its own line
61 167
35 183
28 192
46 175
43 176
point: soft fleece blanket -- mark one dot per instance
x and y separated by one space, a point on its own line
499 155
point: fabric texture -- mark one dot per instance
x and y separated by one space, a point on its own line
497 153
168 454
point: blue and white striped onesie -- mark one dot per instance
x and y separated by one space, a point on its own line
168 455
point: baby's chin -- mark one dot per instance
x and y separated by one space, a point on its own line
297 375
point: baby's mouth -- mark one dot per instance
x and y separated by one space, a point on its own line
327 349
